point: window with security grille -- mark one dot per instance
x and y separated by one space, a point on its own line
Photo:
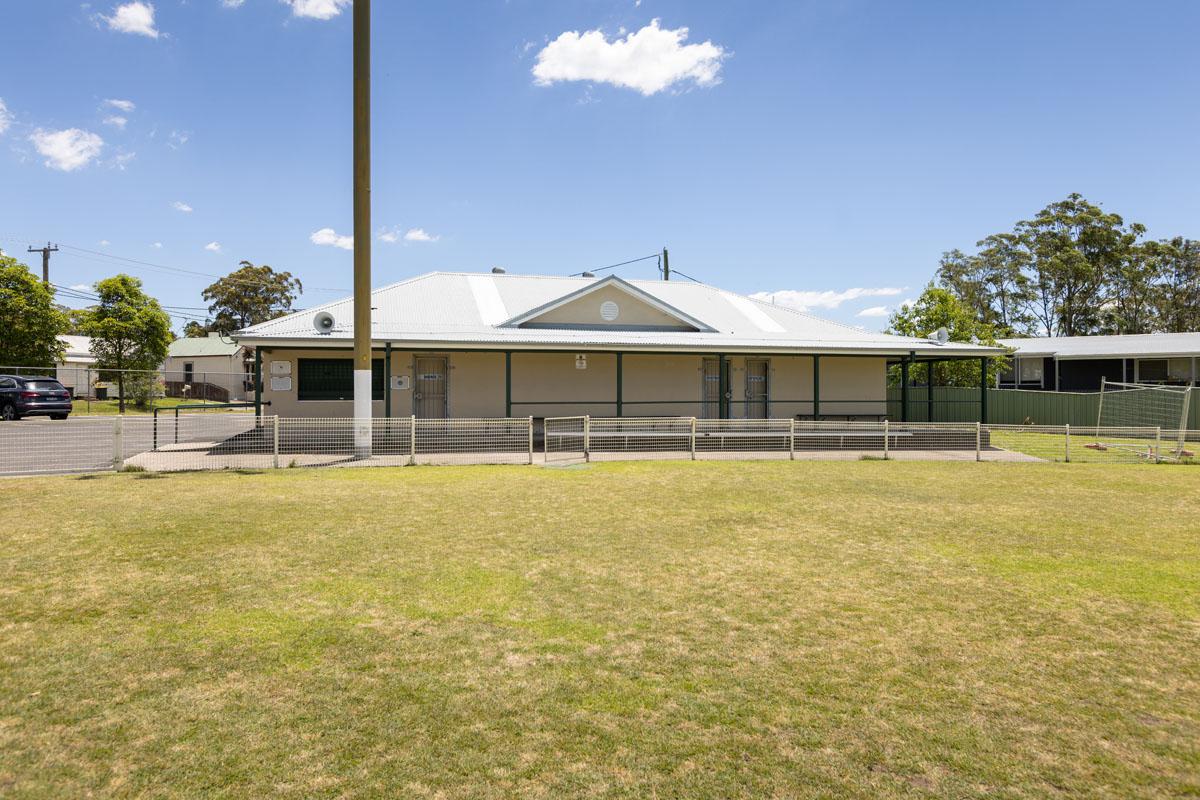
1165 370
333 379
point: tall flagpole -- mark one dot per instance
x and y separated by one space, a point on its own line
362 228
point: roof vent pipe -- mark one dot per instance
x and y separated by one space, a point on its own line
497 270
587 274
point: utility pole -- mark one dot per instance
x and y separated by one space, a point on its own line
362 228
666 266
45 251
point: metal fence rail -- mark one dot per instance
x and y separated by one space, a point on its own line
244 441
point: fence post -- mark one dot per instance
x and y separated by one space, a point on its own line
693 438
118 443
275 446
531 440
1158 445
587 437
979 441
886 439
792 439
1068 443
412 440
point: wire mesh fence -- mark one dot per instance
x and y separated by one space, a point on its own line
246 441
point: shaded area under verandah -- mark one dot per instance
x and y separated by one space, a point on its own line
711 398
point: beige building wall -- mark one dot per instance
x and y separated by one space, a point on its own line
550 385
224 371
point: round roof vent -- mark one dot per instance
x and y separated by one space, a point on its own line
609 311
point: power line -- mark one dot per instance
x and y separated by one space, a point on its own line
614 266
77 294
180 270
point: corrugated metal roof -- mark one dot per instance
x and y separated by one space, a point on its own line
453 308
79 349
1127 346
197 347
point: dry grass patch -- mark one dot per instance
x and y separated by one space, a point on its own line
717 630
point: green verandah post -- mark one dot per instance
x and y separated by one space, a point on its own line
983 389
387 380
620 398
929 391
816 388
904 388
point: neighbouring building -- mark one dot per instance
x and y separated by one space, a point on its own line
1080 363
498 345
77 369
210 368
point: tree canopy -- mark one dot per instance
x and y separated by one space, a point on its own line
941 308
32 322
129 330
1075 269
247 296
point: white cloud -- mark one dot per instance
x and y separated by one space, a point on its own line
317 9
419 235
121 160
388 235
81 287
116 121
179 205
105 242
158 245
874 311
178 139
329 237
649 60
213 247
67 150
232 3
912 301
136 17
5 117
805 301
121 105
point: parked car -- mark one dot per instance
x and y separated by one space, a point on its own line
33 395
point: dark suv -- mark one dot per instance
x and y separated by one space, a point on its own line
33 395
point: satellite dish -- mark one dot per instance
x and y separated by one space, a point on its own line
940 336
323 322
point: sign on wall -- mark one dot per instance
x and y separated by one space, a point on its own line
281 368
581 361
280 384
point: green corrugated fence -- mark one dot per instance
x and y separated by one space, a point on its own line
1009 406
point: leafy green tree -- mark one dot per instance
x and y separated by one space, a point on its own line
1133 292
195 330
941 308
1178 296
32 322
1074 249
250 295
129 331
992 283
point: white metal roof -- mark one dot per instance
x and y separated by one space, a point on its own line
1127 346
470 310
78 350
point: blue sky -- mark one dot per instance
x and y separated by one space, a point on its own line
813 148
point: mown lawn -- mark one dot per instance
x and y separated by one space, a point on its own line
93 408
709 630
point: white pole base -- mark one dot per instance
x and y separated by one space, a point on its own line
362 413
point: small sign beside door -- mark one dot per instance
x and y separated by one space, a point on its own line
581 361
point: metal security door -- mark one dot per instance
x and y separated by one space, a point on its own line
710 389
429 387
758 388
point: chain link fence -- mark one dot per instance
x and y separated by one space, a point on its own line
95 389
245 441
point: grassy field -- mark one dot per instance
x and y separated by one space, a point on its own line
710 630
